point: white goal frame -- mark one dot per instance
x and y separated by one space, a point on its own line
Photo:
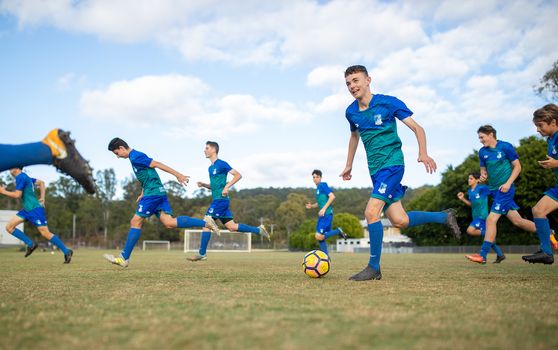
188 248
157 242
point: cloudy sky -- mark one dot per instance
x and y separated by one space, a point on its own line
265 78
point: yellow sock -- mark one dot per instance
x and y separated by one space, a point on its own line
55 144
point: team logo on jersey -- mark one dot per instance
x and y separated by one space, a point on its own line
210 211
497 206
499 155
135 169
215 171
477 196
356 125
486 156
378 119
140 209
553 149
383 188
318 192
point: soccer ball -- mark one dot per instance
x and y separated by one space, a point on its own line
316 264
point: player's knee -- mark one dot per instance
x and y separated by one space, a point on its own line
401 222
136 222
538 212
371 216
319 236
10 228
168 224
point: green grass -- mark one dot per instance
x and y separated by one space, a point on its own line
264 301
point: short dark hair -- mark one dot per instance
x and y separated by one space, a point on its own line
116 142
317 172
475 174
546 114
356 69
487 129
214 145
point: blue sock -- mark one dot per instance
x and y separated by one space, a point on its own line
497 250
543 231
426 217
248 228
133 237
22 237
485 248
58 242
331 233
206 236
376 233
186 221
18 156
323 246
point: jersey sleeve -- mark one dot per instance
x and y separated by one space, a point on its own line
510 152
142 159
482 162
399 109
484 190
324 188
224 167
20 183
352 125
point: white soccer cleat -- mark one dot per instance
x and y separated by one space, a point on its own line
264 232
212 225
116 260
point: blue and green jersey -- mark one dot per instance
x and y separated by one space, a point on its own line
552 151
148 177
218 172
497 162
25 184
322 196
377 128
479 201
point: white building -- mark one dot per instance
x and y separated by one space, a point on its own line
5 237
392 235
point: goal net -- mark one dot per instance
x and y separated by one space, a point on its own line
227 242
156 245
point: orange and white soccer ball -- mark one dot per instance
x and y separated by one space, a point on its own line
316 264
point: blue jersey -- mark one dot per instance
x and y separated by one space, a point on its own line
479 201
497 162
218 172
377 128
25 184
148 177
552 151
322 196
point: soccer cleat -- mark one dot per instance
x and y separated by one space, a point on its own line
68 256
67 159
553 242
197 258
264 232
342 234
539 257
476 258
367 274
212 225
499 259
30 250
451 221
117 260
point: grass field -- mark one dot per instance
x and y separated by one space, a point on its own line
263 300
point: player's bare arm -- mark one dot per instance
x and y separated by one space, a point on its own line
461 197
516 170
236 177
182 179
42 191
11 194
423 157
353 145
204 185
549 162
330 199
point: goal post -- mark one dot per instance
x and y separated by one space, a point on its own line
158 243
233 242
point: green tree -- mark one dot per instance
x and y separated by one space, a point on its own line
290 215
106 190
548 85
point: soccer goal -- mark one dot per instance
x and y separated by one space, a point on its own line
228 241
156 244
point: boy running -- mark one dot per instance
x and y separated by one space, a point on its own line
153 199
324 199
373 118
33 212
220 203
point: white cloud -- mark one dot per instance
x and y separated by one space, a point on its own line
181 103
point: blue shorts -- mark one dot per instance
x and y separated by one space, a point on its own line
387 184
552 193
324 223
35 216
150 205
503 202
219 209
479 224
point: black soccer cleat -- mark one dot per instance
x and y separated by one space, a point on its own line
342 234
73 164
30 250
451 221
367 274
539 257
499 259
68 256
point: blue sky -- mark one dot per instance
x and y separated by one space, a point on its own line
265 79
